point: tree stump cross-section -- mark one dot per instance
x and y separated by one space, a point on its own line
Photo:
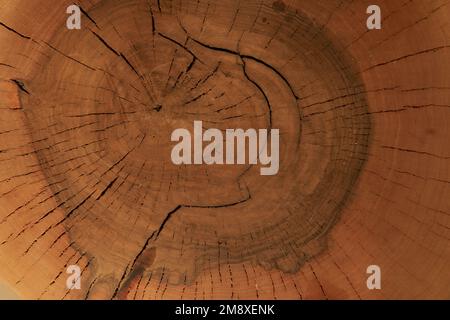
87 179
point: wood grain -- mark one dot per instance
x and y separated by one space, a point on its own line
86 177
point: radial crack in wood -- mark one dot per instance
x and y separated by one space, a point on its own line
85 149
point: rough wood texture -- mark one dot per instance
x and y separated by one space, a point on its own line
86 176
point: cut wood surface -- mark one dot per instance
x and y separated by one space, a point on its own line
86 176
